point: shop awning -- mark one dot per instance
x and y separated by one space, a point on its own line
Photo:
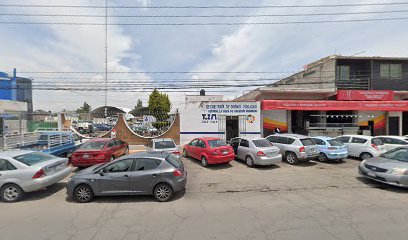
325 105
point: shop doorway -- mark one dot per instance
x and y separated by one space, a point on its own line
405 123
371 127
231 127
393 126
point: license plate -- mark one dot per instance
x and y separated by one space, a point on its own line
225 152
371 174
86 156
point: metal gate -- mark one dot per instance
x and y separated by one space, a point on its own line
242 126
221 126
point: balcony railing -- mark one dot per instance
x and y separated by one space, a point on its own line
354 83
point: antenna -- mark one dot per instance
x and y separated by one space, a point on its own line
357 53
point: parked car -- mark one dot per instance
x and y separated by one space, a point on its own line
25 171
98 150
164 144
330 149
145 173
257 151
85 127
392 142
209 150
362 146
295 147
102 127
390 168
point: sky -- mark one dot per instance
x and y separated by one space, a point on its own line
137 52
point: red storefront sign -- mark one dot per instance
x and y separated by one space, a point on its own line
310 105
365 95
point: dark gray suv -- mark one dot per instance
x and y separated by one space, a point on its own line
146 173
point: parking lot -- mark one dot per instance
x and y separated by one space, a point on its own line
309 201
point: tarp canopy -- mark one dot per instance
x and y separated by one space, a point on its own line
323 105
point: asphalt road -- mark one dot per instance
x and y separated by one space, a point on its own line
309 201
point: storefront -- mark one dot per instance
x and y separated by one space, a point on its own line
222 119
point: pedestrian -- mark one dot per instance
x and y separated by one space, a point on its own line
277 130
113 133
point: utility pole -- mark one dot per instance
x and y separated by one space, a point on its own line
106 52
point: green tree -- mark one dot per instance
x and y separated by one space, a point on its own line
86 108
159 104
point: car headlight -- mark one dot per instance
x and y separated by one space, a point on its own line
398 171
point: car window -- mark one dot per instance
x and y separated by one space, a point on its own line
90 145
174 161
358 140
377 141
335 143
272 139
164 144
399 154
262 143
244 143
217 143
234 142
386 140
194 142
307 142
145 164
282 140
120 166
6 165
111 144
343 139
118 142
318 141
291 140
201 144
34 158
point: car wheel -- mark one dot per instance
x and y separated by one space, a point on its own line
366 155
83 193
11 193
204 161
291 158
250 161
163 192
185 154
322 157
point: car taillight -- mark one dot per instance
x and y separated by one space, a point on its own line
260 153
177 173
375 147
176 152
39 174
302 149
331 148
215 152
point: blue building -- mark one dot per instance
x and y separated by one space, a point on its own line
15 88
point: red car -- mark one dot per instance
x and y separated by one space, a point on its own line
98 150
209 151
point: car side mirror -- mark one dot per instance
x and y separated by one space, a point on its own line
102 172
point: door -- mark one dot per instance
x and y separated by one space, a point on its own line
356 146
243 149
232 127
371 126
115 178
7 170
145 176
112 148
201 147
393 126
191 149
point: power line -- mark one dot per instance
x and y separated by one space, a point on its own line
205 24
205 7
202 16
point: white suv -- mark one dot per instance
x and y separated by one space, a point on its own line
363 146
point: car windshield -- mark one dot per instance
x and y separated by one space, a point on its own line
164 144
217 143
262 143
335 143
92 145
399 154
32 158
174 161
307 142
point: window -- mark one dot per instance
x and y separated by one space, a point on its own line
6 165
391 71
386 140
120 166
343 72
174 161
343 139
90 145
235 142
358 140
194 142
146 164
291 140
376 141
272 139
111 144
34 158
335 142
244 143
282 140
217 143
318 141
201 144
262 143
307 142
399 154
164 144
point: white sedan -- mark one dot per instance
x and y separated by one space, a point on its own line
27 171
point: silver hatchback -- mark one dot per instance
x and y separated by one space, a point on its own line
295 147
257 151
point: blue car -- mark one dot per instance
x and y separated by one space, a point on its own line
330 149
102 127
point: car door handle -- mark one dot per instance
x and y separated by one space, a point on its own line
126 175
155 175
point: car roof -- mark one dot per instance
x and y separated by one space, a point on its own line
209 138
293 135
395 137
162 139
251 138
162 154
360 136
323 138
14 153
100 140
